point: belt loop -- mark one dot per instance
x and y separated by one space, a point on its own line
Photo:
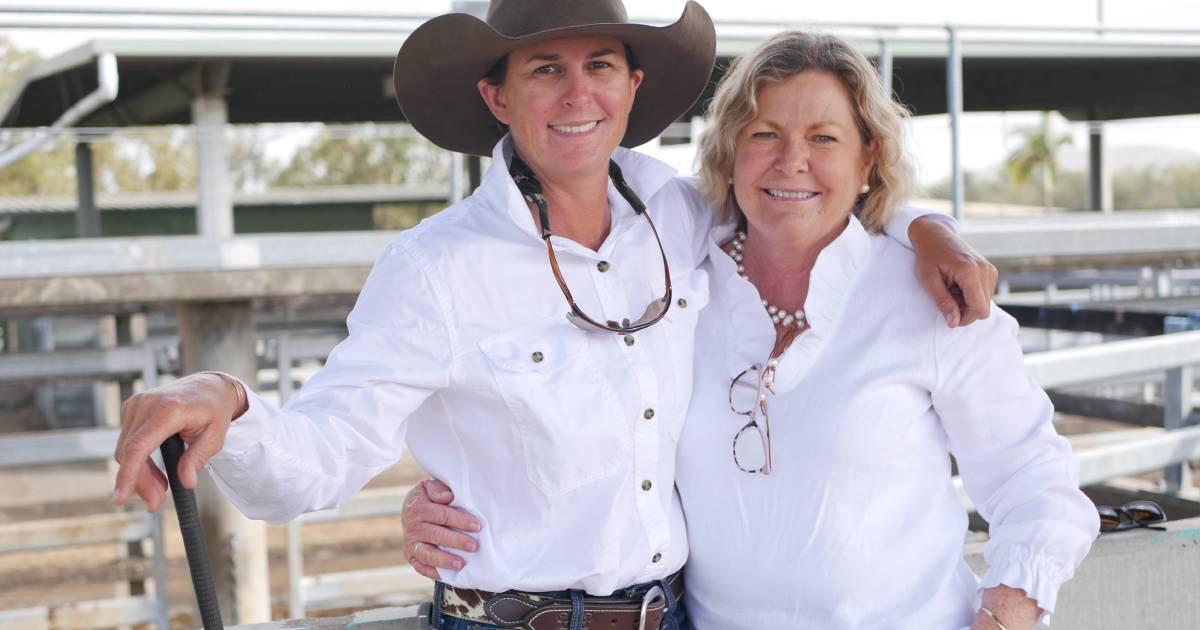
668 619
435 615
576 610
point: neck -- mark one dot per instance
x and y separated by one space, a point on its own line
579 212
779 265
577 205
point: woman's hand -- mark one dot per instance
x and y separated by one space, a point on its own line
1011 607
199 407
958 279
430 523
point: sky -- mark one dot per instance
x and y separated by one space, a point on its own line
987 138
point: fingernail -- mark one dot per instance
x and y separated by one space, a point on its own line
952 319
472 546
441 494
476 526
458 565
116 496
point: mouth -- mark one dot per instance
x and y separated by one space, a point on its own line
573 128
780 194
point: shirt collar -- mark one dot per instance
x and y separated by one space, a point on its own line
749 333
645 175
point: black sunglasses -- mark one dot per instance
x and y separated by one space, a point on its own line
1132 515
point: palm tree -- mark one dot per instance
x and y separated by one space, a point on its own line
1038 151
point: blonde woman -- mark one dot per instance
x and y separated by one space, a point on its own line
842 395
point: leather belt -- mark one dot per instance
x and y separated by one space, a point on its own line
628 609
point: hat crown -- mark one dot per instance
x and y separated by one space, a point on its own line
516 18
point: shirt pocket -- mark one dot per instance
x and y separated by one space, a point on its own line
568 415
689 295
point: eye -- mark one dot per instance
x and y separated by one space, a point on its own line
823 139
763 135
600 65
546 69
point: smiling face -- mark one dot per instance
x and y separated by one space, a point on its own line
800 163
566 102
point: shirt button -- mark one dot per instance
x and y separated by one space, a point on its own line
602 266
648 414
656 558
682 303
629 340
646 485
537 357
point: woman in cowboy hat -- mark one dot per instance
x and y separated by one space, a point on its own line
557 432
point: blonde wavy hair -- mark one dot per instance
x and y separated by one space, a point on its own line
779 58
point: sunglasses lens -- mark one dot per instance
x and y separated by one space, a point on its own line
1109 518
654 311
1143 512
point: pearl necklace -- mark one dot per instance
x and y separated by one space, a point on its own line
778 315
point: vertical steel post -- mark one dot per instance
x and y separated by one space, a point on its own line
214 214
1100 194
295 545
885 65
457 184
1177 406
87 216
954 106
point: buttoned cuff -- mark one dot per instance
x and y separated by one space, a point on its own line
1039 575
248 429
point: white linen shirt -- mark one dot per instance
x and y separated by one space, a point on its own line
561 441
859 526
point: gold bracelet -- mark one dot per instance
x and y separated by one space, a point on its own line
992 616
240 394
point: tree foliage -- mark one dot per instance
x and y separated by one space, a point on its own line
1038 151
359 156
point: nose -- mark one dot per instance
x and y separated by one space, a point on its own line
577 90
793 156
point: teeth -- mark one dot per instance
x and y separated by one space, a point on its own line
783 194
577 129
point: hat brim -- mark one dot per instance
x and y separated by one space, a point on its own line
438 66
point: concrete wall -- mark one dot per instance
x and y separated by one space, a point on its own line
1142 579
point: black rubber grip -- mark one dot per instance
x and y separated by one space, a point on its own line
193 537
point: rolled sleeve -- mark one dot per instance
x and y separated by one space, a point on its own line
348 423
1019 472
902 218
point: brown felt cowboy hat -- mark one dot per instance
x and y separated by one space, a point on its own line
439 64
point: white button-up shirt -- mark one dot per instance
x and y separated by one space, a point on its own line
561 441
859 526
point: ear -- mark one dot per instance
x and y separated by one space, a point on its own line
493 97
870 158
636 77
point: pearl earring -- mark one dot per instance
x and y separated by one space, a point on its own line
866 188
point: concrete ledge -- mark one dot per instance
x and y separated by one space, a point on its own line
1134 579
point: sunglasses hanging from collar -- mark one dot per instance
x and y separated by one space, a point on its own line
531 189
